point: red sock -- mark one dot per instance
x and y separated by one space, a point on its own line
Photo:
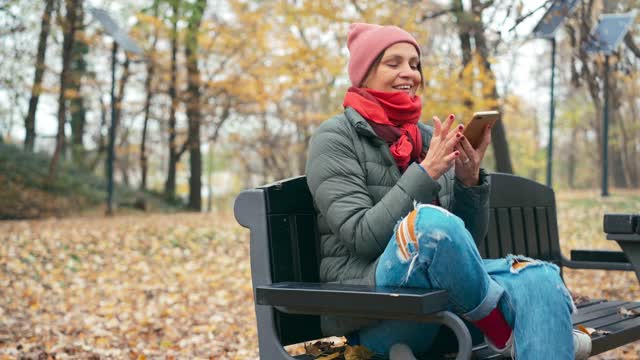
495 327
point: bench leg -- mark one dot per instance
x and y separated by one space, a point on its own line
458 327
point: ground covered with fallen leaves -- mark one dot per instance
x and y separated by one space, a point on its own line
179 286
155 286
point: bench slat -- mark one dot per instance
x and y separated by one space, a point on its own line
612 318
554 241
622 332
596 311
517 227
504 227
604 316
543 233
493 249
587 303
531 234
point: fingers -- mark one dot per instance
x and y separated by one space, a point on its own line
467 149
452 157
452 140
437 126
459 163
465 156
444 148
443 129
486 140
454 137
447 124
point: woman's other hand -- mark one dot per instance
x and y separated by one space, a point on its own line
442 148
468 163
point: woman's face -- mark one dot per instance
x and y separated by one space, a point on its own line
397 70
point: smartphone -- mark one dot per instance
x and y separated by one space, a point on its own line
475 128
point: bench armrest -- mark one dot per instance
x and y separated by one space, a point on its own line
625 230
599 256
353 300
367 301
598 260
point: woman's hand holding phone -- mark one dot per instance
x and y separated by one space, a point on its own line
468 163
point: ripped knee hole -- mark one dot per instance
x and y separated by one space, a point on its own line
520 264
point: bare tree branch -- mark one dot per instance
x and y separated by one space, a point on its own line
226 112
436 14
628 40
524 17
358 8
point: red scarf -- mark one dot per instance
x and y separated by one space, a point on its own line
394 117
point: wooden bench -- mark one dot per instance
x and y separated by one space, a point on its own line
289 298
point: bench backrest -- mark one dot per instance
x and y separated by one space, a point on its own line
284 238
522 220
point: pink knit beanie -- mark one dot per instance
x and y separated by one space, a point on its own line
366 41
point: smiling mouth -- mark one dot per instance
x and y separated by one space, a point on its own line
405 88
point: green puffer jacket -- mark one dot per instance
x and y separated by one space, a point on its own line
360 195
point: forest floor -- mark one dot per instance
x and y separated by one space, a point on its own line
179 286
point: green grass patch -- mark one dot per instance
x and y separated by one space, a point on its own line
26 193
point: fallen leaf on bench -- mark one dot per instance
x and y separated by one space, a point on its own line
329 357
602 332
357 352
580 299
318 348
591 331
625 312
312 350
586 330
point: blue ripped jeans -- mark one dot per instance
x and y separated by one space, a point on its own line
532 298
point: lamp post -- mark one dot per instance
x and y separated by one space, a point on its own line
119 38
605 39
546 29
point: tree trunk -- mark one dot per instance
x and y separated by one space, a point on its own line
498 132
633 146
30 120
305 138
101 142
464 35
621 176
124 78
170 183
143 143
194 111
470 26
210 177
77 109
67 45
147 104
571 160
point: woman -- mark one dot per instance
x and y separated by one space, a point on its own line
403 204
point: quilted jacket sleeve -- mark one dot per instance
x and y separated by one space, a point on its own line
471 204
338 185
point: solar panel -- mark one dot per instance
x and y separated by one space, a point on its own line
112 28
554 18
611 29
